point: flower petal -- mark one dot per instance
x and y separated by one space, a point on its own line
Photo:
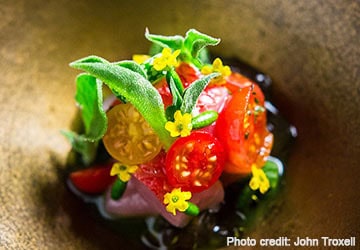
124 176
254 183
115 170
182 205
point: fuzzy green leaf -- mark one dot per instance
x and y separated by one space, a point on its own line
82 145
135 88
173 42
89 99
177 98
132 66
195 41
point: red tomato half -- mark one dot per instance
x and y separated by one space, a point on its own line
236 81
153 176
195 162
94 180
241 127
187 73
164 91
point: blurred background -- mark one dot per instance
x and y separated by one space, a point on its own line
309 48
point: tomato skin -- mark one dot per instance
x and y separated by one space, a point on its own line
243 132
164 91
129 138
236 81
195 162
187 73
152 174
94 180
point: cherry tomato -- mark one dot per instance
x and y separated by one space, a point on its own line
241 127
236 81
195 162
164 91
153 176
94 180
212 98
129 138
187 73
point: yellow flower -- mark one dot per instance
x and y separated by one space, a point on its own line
123 171
180 126
217 66
166 59
176 200
259 180
140 58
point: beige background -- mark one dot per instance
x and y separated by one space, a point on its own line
310 48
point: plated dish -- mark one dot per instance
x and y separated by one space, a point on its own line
179 140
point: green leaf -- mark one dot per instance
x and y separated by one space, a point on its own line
173 42
82 145
204 56
129 64
192 93
195 41
89 98
135 88
177 98
170 111
92 59
155 49
171 74
192 46
175 90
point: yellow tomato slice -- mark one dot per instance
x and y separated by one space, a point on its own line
129 138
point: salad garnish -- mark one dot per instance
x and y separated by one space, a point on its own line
177 126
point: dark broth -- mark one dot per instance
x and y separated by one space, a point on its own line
233 217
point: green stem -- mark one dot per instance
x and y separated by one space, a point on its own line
172 73
192 210
118 189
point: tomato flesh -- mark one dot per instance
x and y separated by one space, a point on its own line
164 91
153 176
195 162
187 73
94 180
129 138
241 127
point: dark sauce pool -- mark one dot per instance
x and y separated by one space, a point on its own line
233 217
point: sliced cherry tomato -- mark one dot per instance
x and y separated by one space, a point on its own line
195 162
129 138
187 73
164 91
236 81
241 127
153 176
212 98
94 180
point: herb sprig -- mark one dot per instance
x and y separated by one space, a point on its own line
133 82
